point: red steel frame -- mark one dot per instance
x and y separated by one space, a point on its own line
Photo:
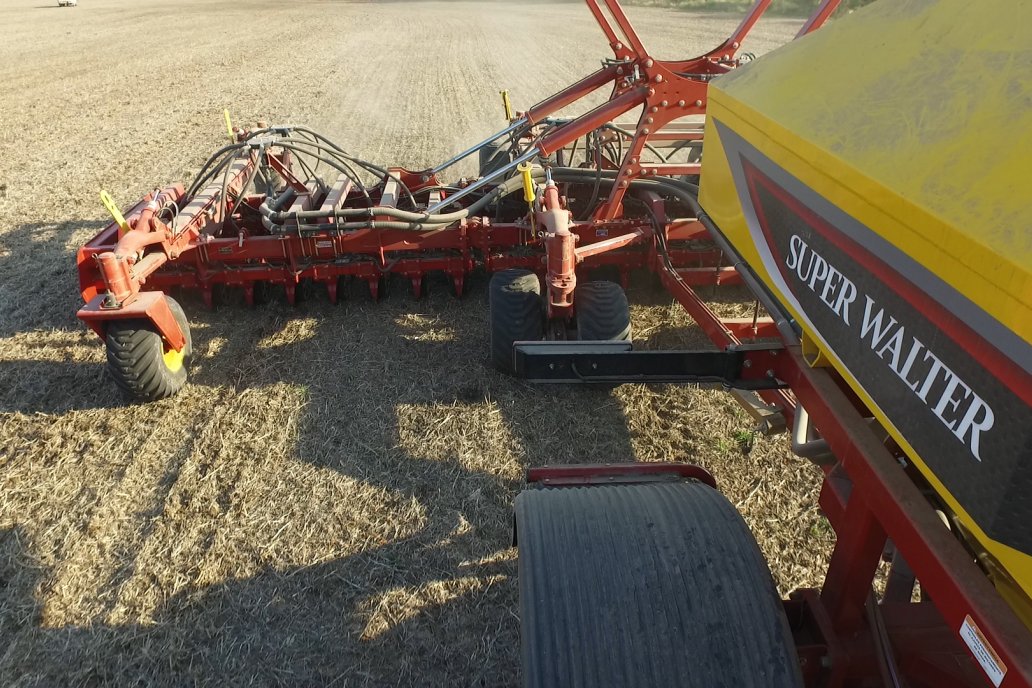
842 639
193 256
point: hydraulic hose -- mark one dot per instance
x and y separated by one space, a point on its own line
276 220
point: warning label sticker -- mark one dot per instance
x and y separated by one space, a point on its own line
991 663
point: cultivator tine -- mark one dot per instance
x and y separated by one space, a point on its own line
249 294
331 290
417 286
374 287
458 282
291 288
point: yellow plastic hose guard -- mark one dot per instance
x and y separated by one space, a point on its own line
116 214
229 126
528 181
509 115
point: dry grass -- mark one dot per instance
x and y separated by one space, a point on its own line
329 500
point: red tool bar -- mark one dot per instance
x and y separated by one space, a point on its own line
734 42
630 35
572 94
603 23
589 121
819 16
609 244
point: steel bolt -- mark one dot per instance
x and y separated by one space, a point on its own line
735 45
659 78
618 46
649 62
680 103
665 103
645 131
623 183
648 120
770 373
634 161
653 109
619 70
698 103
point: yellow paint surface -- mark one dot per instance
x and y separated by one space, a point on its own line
915 118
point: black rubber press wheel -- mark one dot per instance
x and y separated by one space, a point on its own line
602 312
516 314
142 366
650 585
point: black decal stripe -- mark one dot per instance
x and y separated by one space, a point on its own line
998 336
987 356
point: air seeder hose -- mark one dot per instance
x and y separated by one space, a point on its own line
275 220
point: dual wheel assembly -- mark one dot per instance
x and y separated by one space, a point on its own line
518 313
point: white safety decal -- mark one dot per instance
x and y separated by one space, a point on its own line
991 663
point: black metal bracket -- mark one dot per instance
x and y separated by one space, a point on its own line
610 363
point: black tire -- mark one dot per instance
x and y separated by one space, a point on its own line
140 363
494 156
647 585
602 312
516 314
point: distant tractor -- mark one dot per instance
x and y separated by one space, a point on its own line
67 3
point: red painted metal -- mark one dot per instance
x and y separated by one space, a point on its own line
867 497
616 473
147 306
819 17
206 252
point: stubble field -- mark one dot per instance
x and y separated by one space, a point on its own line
328 502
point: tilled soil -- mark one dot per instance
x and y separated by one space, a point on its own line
328 502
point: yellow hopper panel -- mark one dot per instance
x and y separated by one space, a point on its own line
877 177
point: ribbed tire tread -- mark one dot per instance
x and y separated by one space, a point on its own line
516 314
647 585
602 312
135 357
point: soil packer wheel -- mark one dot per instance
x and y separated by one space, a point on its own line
646 585
602 312
143 367
516 314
